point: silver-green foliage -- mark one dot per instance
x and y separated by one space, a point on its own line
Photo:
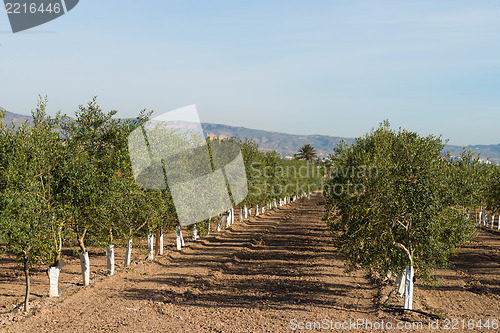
410 209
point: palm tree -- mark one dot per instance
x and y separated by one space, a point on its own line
306 152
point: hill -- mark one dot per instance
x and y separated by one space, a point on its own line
289 144
16 118
285 144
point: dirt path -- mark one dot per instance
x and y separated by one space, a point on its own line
273 273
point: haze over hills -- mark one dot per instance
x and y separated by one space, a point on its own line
285 144
16 118
289 144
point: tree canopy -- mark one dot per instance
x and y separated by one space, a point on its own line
306 152
396 199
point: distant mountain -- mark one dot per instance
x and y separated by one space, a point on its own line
491 152
285 144
289 144
16 118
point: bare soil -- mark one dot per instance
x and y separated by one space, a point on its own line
277 272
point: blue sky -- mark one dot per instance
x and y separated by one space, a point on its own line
304 67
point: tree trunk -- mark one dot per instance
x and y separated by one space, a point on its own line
128 252
408 305
58 259
85 266
178 238
110 260
81 243
150 247
157 241
54 280
27 277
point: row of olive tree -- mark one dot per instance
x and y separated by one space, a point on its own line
408 202
69 180
64 179
272 177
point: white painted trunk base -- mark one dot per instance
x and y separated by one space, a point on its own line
219 224
400 283
409 288
85 266
178 239
151 247
128 253
110 260
160 252
54 281
195 233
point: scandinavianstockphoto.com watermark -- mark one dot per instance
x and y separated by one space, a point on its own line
446 324
355 324
309 171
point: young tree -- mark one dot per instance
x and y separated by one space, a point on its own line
393 202
86 172
27 207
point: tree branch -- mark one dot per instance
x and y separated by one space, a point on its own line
401 246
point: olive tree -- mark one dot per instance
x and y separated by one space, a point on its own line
396 201
28 222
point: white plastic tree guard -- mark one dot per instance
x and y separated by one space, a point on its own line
232 215
219 223
400 283
479 218
486 220
228 219
54 281
85 265
178 241
492 221
246 211
249 211
160 250
195 233
151 247
409 288
257 210
110 260
263 209
128 253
